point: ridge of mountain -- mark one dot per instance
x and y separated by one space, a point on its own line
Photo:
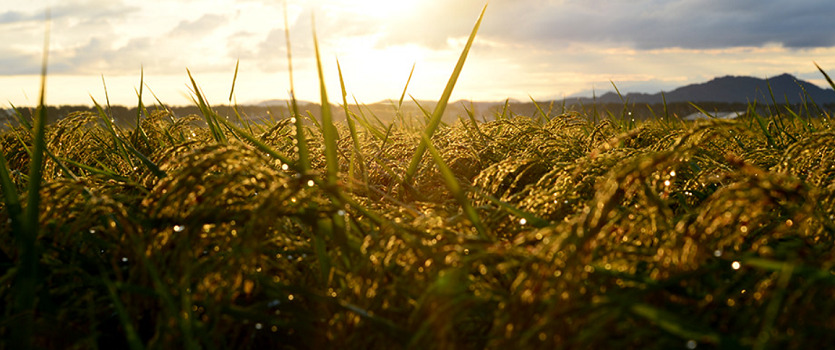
726 89
732 89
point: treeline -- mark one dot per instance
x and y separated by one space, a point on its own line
125 116
643 111
385 112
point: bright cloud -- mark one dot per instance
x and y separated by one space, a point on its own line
542 48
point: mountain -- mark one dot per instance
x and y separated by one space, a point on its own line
733 89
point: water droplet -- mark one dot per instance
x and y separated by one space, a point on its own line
667 183
310 183
179 228
523 221
273 303
285 167
691 344
717 253
124 259
293 119
340 212
736 265
258 326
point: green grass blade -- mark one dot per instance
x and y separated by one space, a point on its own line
106 97
208 114
363 120
505 108
352 128
828 79
234 79
667 120
111 129
426 114
262 146
543 117
301 139
531 219
674 324
140 108
130 331
455 188
21 119
234 104
26 279
764 127
403 95
60 164
10 195
328 129
126 148
442 103
105 172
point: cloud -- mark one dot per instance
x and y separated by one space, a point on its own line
642 24
16 17
200 27
17 63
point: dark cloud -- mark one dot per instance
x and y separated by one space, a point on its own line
16 63
17 16
89 9
642 24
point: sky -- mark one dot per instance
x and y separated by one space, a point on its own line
541 49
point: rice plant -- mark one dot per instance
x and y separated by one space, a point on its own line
574 230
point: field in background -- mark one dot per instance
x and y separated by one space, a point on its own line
389 111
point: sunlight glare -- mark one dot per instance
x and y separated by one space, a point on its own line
378 8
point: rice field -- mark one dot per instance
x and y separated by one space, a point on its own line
559 229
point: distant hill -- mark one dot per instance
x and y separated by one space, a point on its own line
732 89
